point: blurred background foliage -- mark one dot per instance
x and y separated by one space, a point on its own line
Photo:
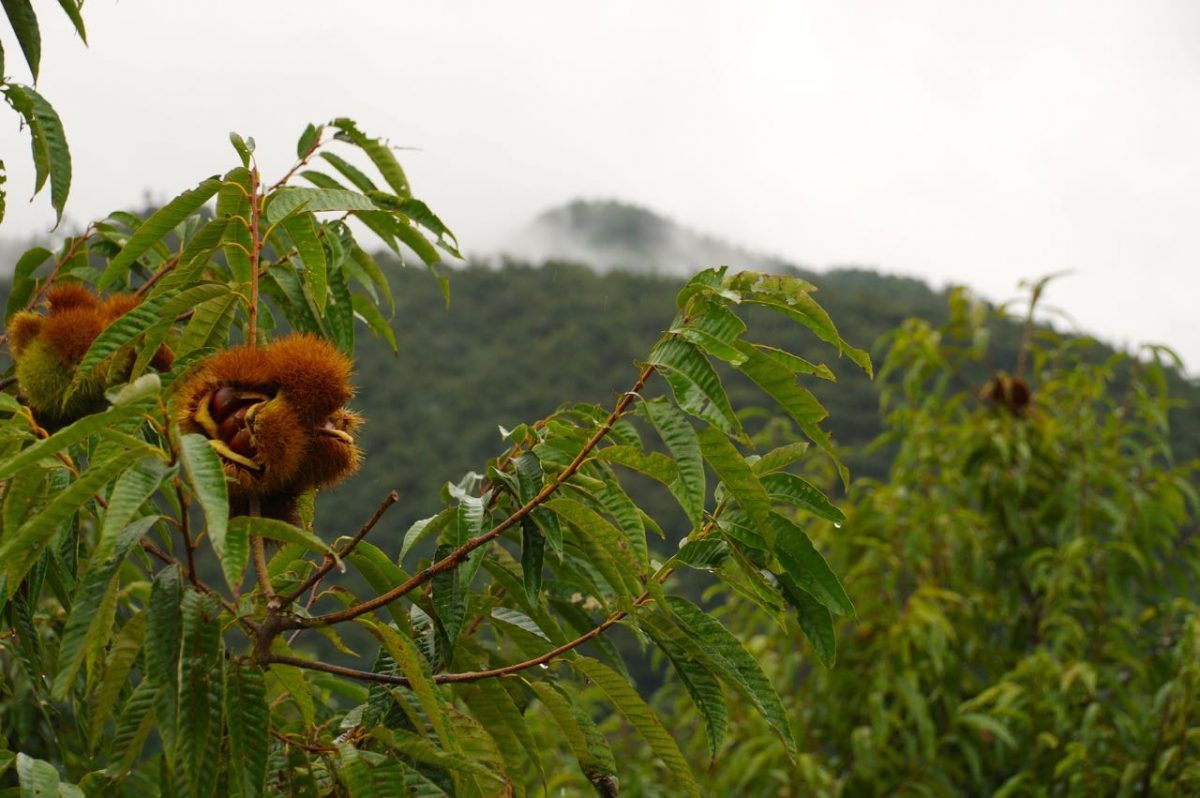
1026 588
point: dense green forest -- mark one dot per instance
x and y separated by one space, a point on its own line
453 380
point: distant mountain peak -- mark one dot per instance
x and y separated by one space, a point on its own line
608 235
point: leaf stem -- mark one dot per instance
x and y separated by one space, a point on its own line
255 251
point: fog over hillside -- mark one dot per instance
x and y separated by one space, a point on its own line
607 235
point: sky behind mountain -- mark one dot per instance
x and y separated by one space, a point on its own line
977 143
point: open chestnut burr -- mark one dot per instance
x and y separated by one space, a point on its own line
276 415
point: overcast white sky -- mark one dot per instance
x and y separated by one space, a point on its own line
965 142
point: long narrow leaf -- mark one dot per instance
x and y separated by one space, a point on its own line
207 478
805 564
737 667
88 600
156 228
695 383
25 24
642 718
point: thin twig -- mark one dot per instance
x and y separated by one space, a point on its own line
329 561
167 266
167 559
506 670
466 676
300 164
456 557
185 528
259 550
312 749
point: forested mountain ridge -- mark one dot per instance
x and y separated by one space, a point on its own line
434 408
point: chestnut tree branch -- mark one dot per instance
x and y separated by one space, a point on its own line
456 557
506 670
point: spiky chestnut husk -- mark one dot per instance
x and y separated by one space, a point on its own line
1011 393
48 347
276 415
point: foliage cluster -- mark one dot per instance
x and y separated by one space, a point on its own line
129 671
1027 618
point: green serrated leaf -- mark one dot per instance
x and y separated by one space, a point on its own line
533 553
655 465
68 436
380 154
154 229
38 777
366 310
137 719
606 548
340 314
72 8
815 620
248 719
580 733
51 155
209 325
410 662
374 272
25 24
697 679
791 489
495 709
279 530
204 471
733 664
695 383
707 554
124 652
288 199
680 438
351 172
164 631
780 458
308 140
201 686
100 579
23 286
643 719
119 333
807 567
20 550
302 230
735 473
712 327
